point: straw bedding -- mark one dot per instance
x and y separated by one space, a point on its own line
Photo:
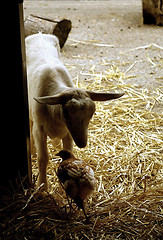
125 150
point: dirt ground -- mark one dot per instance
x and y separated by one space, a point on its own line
118 28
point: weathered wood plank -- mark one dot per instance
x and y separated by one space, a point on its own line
60 28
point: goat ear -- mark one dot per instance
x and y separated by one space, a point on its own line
95 96
50 100
61 98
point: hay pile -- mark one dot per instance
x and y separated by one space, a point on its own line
125 149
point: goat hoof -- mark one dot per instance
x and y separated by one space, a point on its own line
43 186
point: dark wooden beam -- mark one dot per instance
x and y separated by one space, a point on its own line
153 12
15 145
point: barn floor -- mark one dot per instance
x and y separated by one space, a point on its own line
108 48
115 23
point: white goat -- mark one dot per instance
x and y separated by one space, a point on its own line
57 108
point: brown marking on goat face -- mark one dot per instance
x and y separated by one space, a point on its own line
77 113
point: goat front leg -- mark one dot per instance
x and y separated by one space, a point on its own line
67 142
33 147
42 154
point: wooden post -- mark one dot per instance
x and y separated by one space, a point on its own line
60 28
153 12
15 162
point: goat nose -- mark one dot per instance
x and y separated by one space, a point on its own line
81 143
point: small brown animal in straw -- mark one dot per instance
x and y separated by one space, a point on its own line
77 178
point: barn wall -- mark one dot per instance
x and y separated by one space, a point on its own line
15 154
